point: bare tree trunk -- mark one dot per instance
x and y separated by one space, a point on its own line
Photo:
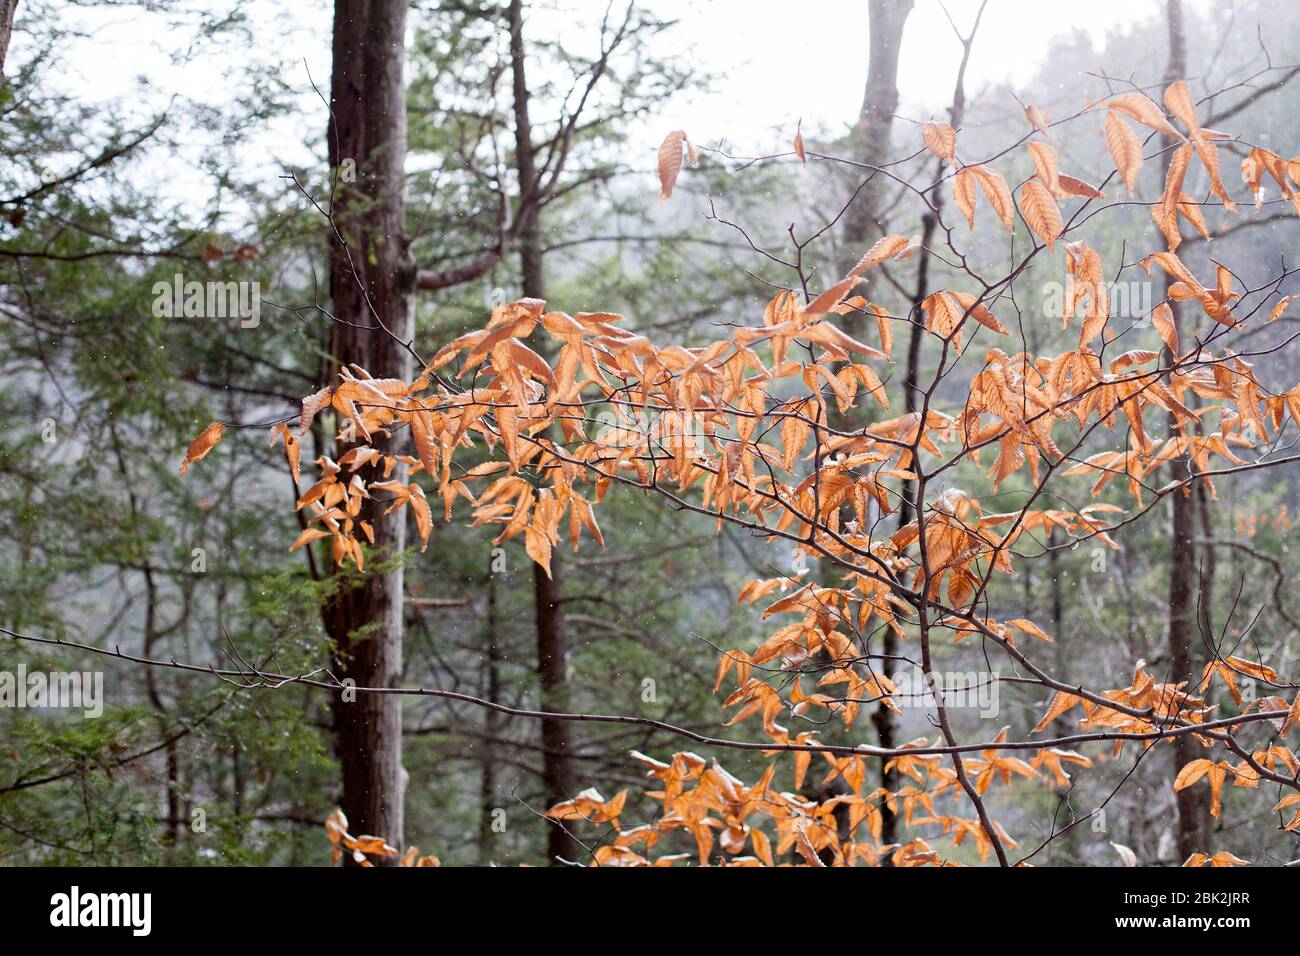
559 778
1191 802
862 224
883 718
8 8
1182 574
1066 844
1209 558
172 787
870 139
371 283
491 725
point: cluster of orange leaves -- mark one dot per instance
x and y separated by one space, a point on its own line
363 848
729 427
1249 525
715 809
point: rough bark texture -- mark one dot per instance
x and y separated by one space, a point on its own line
1065 848
558 773
870 139
371 284
491 724
862 225
8 8
552 670
883 719
1191 834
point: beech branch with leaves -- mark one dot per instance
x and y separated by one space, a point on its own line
756 430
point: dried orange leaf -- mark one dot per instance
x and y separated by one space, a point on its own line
206 441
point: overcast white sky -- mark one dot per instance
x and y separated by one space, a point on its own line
776 60
780 60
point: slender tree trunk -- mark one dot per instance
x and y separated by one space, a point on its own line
552 669
371 283
1208 557
884 720
1066 845
862 225
171 790
559 778
491 725
8 8
1182 576
1191 802
870 139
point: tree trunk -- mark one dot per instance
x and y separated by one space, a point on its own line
1208 557
371 283
1191 802
908 510
1182 574
8 8
870 137
1066 844
862 225
558 775
491 725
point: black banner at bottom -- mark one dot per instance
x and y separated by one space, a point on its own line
496 906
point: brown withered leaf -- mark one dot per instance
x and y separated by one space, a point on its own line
307 537
311 406
670 162
1070 186
963 194
1178 100
1037 119
1041 212
887 247
206 441
885 328
1166 213
998 193
1162 317
292 448
1060 704
1045 166
420 508
426 444
1195 770
1208 154
1125 149
1029 627
1190 210
979 312
1143 109
940 139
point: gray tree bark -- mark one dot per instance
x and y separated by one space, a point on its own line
862 222
558 776
1192 833
8 9
372 281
